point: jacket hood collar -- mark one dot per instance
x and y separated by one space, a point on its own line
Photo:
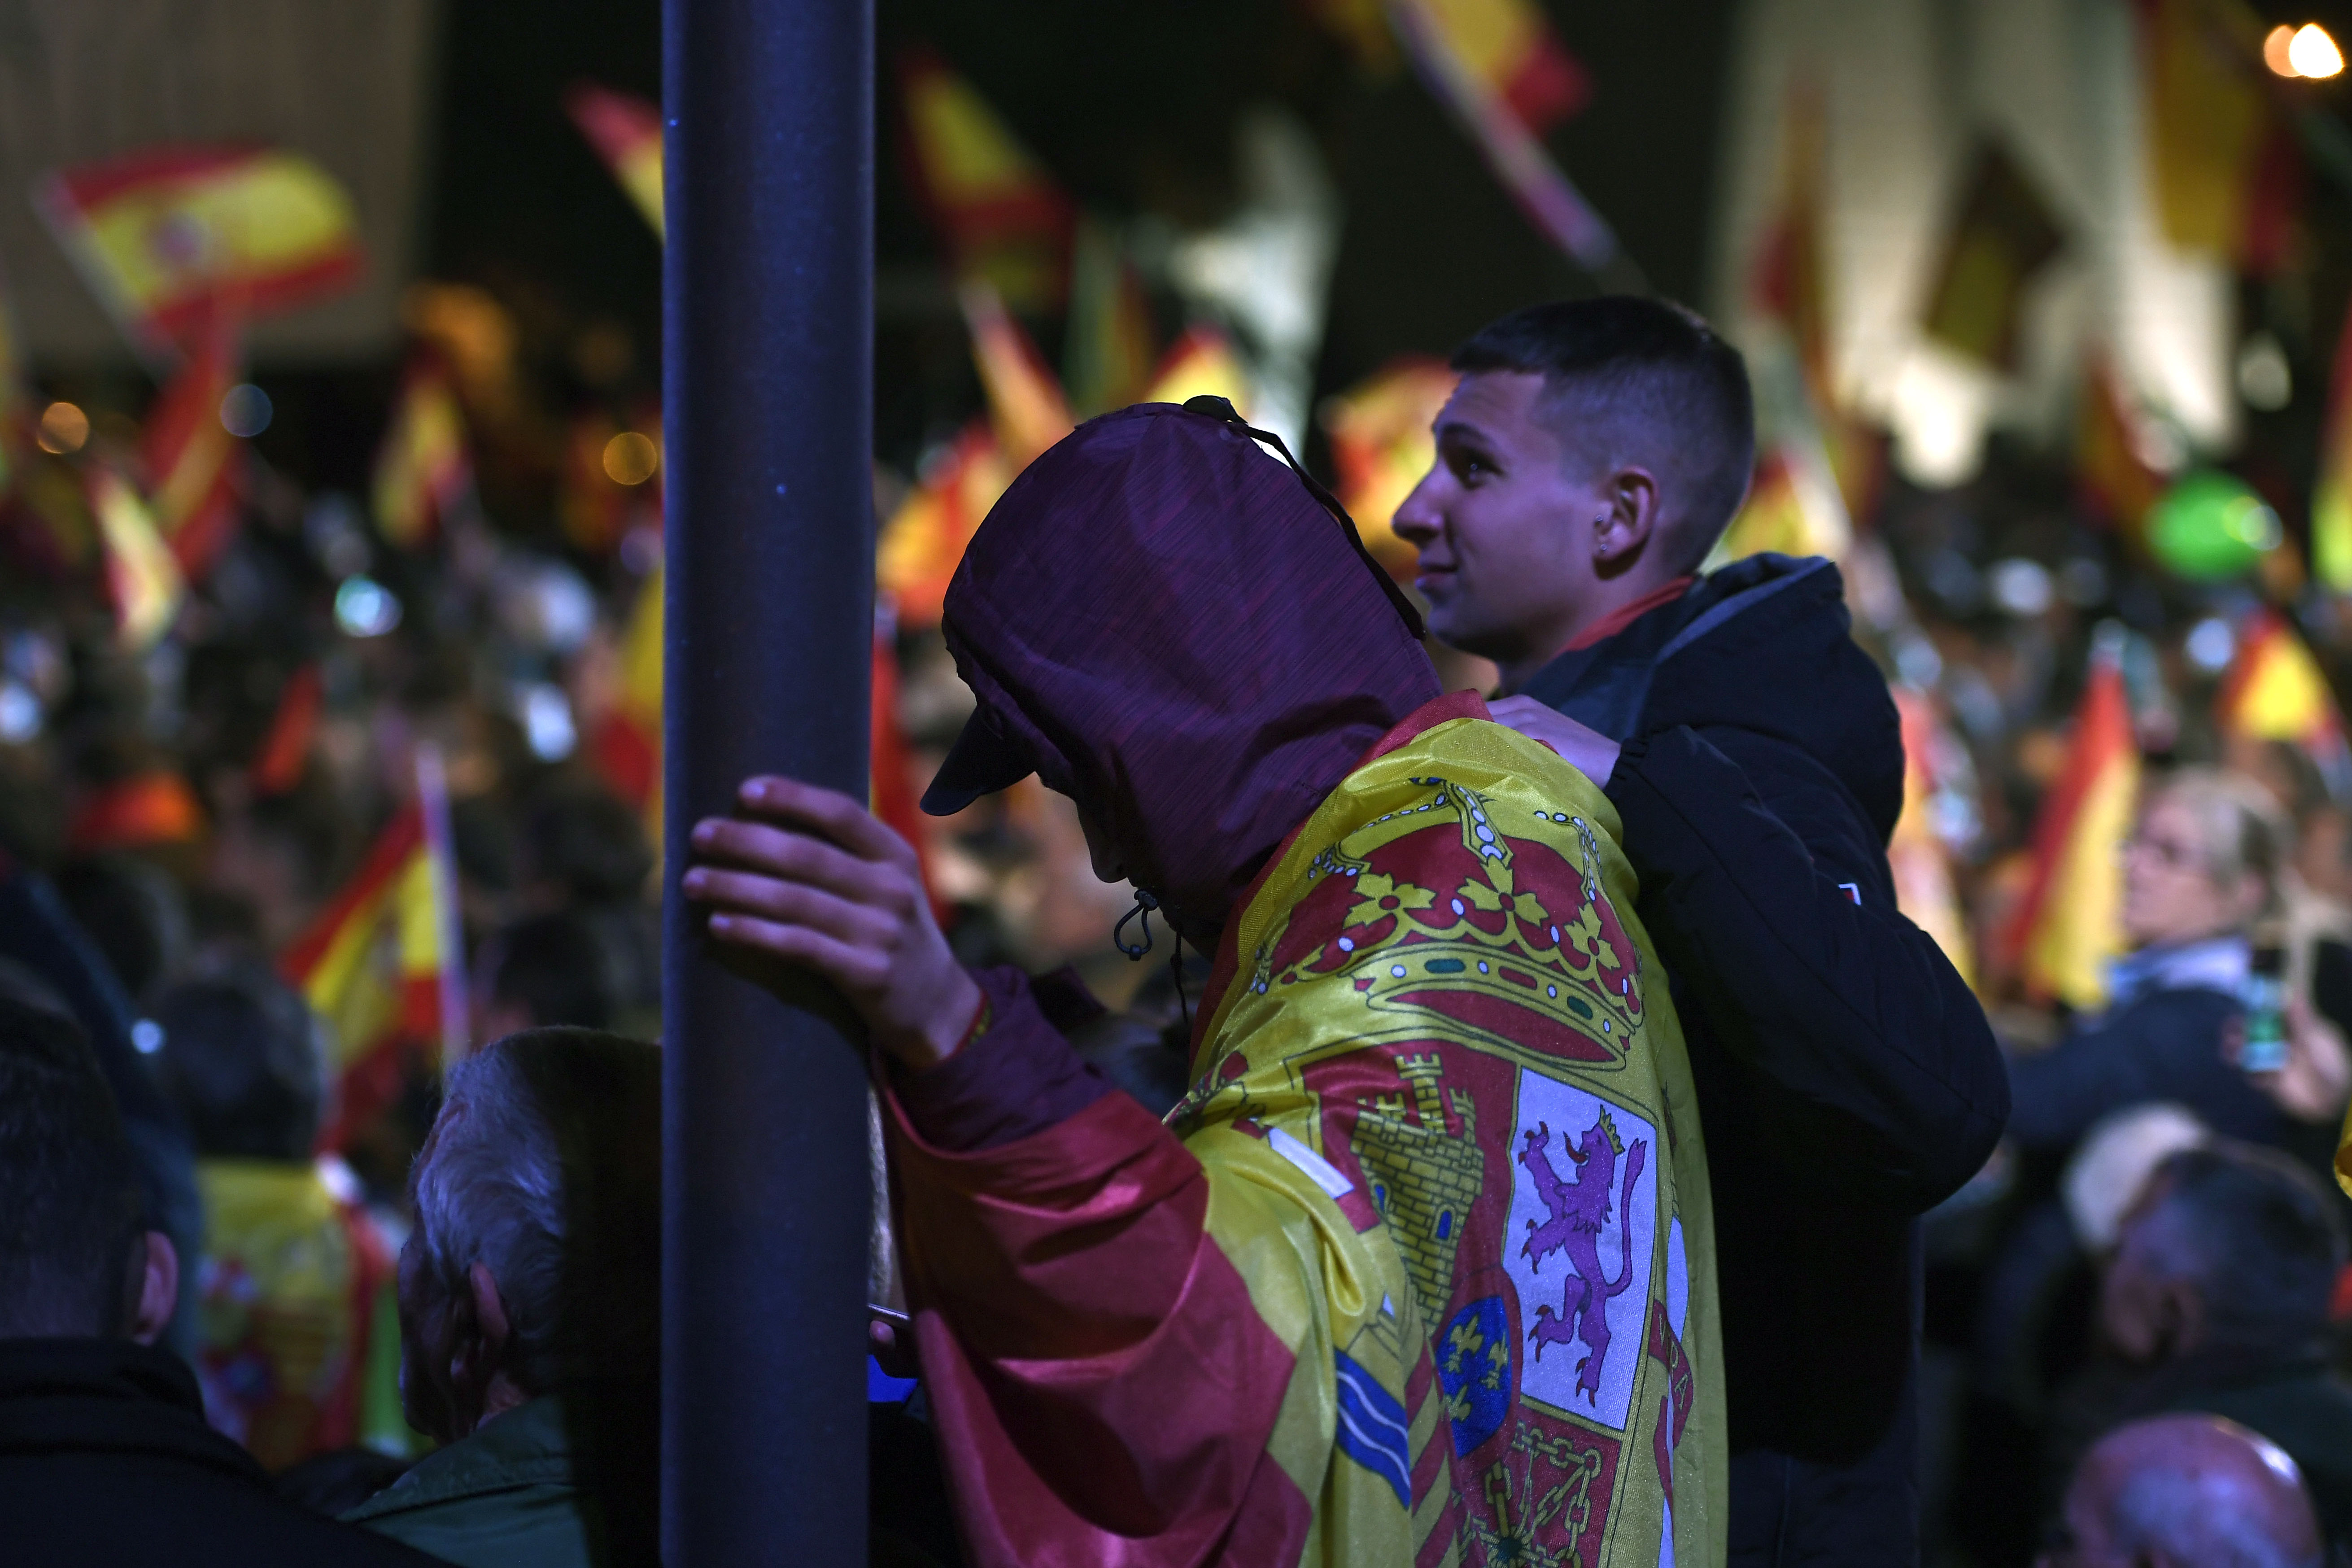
107 1396
1763 644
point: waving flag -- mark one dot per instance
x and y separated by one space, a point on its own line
1512 149
141 577
2331 503
196 468
1024 398
162 236
924 539
2002 238
422 468
1110 344
1201 362
2112 480
1381 447
286 749
2275 692
627 742
2068 925
626 132
374 964
144 811
1915 854
1005 220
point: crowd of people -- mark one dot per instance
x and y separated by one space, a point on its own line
1851 1246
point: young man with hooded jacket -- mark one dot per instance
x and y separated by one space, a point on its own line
1421 1272
1588 462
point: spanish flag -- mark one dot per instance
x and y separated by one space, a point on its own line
373 966
2001 240
626 132
1793 508
2275 690
1381 447
1024 398
626 744
1508 44
285 752
2112 480
144 811
2069 925
1512 149
1110 344
923 541
1917 856
1005 220
2209 120
2331 500
141 577
194 467
1203 361
162 235
422 468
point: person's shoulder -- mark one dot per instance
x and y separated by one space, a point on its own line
67 1508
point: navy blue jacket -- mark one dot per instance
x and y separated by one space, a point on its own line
2164 1043
1847 1079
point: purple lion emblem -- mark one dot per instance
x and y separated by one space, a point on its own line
1579 1209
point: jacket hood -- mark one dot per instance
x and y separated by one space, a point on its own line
1163 622
1765 644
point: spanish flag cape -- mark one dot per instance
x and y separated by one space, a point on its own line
1421 1272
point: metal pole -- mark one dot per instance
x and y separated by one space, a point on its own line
767 378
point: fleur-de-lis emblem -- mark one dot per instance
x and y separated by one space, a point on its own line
1378 896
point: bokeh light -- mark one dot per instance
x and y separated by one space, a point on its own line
245 410
64 428
365 608
2314 54
630 458
2276 44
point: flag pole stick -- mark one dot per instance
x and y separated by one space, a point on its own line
768 636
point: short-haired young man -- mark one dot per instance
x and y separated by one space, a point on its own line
1587 463
104 1454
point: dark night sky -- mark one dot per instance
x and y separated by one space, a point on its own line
1131 107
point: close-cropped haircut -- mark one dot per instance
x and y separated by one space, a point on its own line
1638 379
243 1061
68 1191
2258 1233
545 1164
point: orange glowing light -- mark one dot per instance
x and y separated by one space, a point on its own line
630 458
2314 54
2275 47
64 428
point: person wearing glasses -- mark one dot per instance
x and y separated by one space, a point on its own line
2200 869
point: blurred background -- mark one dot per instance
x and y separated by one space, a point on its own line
331 479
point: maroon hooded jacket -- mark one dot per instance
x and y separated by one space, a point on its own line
1163 622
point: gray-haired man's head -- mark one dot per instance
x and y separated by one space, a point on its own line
535 1262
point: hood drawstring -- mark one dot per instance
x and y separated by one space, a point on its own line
1144 904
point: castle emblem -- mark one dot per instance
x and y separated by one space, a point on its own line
1424 1177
